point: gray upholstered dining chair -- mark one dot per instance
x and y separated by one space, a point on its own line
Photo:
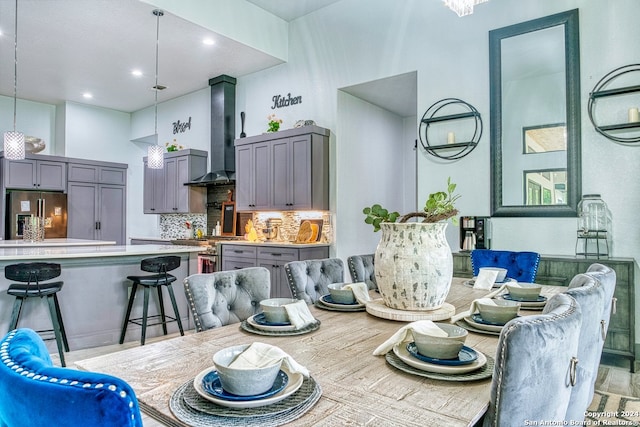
535 365
309 279
361 269
225 297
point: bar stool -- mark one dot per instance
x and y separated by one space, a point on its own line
31 276
161 266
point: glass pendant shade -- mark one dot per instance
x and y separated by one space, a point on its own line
14 145
462 7
155 157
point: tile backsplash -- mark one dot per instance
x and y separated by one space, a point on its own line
173 226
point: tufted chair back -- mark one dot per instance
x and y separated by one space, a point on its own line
521 266
362 270
225 297
590 294
37 394
607 277
535 361
309 280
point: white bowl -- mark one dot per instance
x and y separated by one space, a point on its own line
273 309
340 295
502 272
243 382
441 347
525 291
500 313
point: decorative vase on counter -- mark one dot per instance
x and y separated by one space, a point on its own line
414 265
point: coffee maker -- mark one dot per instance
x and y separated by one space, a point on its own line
475 233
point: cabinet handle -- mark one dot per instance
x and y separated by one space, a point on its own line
276 254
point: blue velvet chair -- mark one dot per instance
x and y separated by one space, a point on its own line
535 364
521 266
225 297
37 394
310 279
361 269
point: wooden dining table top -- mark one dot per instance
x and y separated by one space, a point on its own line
358 388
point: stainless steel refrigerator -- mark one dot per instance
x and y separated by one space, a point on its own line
51 206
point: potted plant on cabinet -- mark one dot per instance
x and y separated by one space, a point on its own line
413 261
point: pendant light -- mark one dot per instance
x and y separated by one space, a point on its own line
14 140
155 153
462 7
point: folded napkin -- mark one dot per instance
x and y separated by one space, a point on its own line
405 333
485 279
472 307
259 355
299 314
360 291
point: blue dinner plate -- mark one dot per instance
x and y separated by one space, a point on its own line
212 385
478 319
327 298
466 356
261 320
539 299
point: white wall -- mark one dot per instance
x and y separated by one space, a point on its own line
32 119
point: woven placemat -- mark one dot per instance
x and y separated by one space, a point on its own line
483 373
309 328
190 408
470 328
323 306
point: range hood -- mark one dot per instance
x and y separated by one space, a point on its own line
222 156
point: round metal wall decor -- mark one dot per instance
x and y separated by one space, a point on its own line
599 92
450 109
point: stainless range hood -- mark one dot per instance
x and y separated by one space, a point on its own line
222 156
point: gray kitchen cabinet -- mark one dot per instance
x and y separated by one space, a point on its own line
35 173
286 170
273 257
164 189
96 200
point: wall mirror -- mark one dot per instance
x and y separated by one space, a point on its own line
535 117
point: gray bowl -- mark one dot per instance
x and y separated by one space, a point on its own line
500 313
525 291
502 272
441 347
274 311
243 382
341 296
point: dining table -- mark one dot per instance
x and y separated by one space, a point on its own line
357 388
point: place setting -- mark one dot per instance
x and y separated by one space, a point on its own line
349 297
436 351
527 294
250 385
281 316
496 276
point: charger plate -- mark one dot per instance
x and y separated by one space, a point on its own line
257 321
482 373
190 408
527 305
345 308
377 308
470 328
252 329
328 301
403 354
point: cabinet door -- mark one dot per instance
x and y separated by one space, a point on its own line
153 199
183 192
111 213
170 185
279 285
281 174
300 170
237 263
51 175
82 199
83 173
244 177
20 174
262 176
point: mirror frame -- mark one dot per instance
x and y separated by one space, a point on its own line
569 20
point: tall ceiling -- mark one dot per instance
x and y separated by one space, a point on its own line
69 47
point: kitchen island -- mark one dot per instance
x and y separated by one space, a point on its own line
94 297
54 242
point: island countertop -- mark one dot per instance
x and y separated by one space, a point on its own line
23 253
54 242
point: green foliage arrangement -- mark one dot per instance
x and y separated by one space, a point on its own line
440 206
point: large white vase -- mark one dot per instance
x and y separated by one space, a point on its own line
414 265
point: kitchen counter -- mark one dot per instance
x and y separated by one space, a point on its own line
277 244
26 253
53 243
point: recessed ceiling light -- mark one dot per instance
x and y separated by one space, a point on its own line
87 95
136 73
208 41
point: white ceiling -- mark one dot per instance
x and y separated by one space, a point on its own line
68 47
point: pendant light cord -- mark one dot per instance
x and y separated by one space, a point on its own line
15 68
158 14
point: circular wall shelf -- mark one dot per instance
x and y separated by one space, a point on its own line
448 109
600 92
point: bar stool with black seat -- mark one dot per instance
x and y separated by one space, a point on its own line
32 277
160 266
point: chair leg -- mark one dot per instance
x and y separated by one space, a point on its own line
132 296
56 327
64 333
15 313
175 307
145 311
163 315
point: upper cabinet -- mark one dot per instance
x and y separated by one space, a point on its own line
164 189
286 170
35 173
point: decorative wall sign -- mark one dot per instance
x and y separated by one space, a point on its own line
181 127
280 101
